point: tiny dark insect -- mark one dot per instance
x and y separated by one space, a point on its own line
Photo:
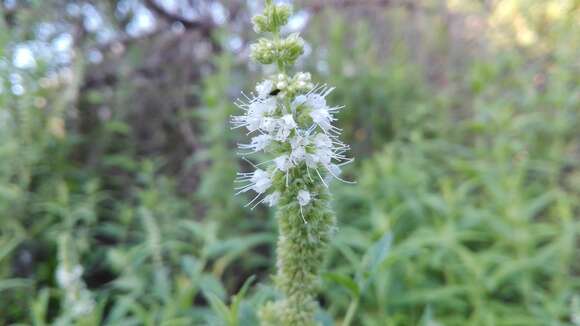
274 92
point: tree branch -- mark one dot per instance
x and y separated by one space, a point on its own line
205 26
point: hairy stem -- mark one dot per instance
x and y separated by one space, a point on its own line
300 253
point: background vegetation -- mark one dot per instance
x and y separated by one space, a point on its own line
116 154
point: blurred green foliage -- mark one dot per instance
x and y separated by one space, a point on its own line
465 210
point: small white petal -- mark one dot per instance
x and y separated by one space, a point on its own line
311 160
268 124
298 145
272 199
259 174
288 121
253 122
259 142
270 104
322 118
264 88
285 125
321 140
261 181
283 163
299 100
303 197
324 155
316 101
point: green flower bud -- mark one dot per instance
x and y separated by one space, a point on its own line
260 23
274 17
289 49
264 51
284 51
280 14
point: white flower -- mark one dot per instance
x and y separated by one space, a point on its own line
316 101
288 121
261 181
258 143
78 299
67 277
298 144
256 112
318 157
263 106
268 124
325 155
283 163
258 181
322 140
320 112
285 125
272 199
296 102
322 118
82 305
321 153
264 88
303 197
253 122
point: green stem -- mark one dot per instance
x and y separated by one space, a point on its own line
279 63
350 312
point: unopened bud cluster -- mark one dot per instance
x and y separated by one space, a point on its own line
286 86
274 17
282 51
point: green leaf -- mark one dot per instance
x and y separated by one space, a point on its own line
379 251
345 281
39 308
210 284
218 306
237 299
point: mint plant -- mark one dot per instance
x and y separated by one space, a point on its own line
290 120
77 299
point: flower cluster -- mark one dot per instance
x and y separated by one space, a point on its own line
78 300
296 130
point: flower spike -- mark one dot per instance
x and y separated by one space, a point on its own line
290 120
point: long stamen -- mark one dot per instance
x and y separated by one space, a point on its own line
337 177
302 214
321 178
250 203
